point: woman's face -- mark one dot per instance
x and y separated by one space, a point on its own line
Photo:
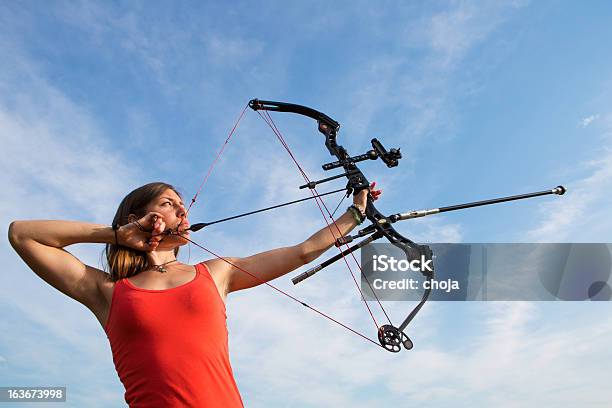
171 206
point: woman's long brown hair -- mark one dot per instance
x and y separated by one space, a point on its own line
124 262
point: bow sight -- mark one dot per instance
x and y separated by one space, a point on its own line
390 158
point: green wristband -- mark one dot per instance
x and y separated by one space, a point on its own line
356 214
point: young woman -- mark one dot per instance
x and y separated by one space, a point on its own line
165 320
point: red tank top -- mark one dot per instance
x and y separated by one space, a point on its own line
170 347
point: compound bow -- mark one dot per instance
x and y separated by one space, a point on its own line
390 336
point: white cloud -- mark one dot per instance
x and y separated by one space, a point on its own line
582 214
57 164
514 362
53 149
447 35
231 51
588 120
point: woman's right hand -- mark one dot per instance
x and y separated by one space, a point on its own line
144 234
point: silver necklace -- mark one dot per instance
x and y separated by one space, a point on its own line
161 268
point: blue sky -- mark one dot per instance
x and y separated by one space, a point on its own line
484 98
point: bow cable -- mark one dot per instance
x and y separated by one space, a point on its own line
268 119
229 136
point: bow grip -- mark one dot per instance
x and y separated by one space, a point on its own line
357 183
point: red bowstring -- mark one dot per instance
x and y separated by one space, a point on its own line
193 200
210 169
268 119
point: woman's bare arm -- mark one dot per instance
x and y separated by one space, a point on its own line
41 245
272 264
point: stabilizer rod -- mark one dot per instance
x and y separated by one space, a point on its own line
314 270
559 190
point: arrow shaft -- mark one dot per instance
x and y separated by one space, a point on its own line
199 226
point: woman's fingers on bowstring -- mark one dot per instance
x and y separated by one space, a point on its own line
149 222
143 234
157 226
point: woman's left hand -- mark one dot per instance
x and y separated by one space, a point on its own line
361 198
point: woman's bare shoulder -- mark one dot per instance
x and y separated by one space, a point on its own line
106 285
217 266
219 270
